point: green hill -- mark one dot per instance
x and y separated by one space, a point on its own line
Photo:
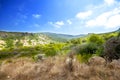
61 37
104 36
15 39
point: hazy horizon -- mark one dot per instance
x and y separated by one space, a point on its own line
62 17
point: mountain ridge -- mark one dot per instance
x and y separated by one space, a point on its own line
54 36
64 37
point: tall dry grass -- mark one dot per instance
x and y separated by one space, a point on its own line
55 68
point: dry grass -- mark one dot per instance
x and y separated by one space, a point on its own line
55 68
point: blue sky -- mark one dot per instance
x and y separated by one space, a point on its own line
60 16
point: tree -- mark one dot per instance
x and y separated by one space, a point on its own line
9 43
94 38
118 34
18 44
76 41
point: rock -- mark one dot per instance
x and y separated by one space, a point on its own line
40 57
115 64
96 60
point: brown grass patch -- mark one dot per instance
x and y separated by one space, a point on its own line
54 68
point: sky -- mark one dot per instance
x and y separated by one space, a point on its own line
60 16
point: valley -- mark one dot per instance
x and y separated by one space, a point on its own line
50 51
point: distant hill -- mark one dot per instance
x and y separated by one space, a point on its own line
61 37
118 30
17 39
105 36
31 39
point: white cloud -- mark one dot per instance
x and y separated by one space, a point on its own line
69 21
57 24
103 17
108 19
113 21
37 16
109 2
60 23
84 15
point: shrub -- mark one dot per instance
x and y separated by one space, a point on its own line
117 49
118 34
94 38
106 37
112 49
89 48
85 51
39 57
52 49
9 43
18 44
100 51
84 58
76 41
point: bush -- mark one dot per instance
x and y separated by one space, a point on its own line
18 44
6 54
100 51
89 48
52 49
112 49
94 38
76 41
39 57
118 34
85 51
9 43
84 58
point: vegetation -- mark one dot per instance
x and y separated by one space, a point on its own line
112 49
9 43
22 45
60 37
38 57
94 38
56 69
48 50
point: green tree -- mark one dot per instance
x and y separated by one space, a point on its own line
76 41
18 44
94 38
118 34
89 48
9 43
53 49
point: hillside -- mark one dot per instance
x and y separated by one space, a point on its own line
61 37
77 59
17 39
104 36
117 30
31 39
59 40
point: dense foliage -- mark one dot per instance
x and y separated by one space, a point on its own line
83 47
48 50
112 49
